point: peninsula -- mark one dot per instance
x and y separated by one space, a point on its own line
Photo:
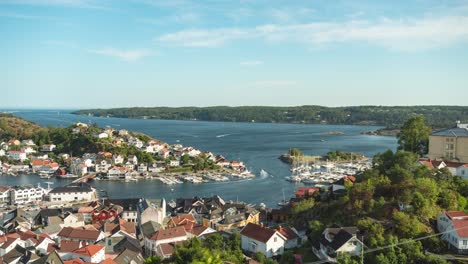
87 150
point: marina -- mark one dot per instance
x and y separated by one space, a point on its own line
243 144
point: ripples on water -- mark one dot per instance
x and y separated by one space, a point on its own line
258 145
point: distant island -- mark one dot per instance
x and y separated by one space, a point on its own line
387 116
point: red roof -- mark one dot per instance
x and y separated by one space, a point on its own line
40 162
287 232
89 250
108 261
258 232
461 227
79 233
169 233
306 191
454 214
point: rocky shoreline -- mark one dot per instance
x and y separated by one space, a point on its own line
382 132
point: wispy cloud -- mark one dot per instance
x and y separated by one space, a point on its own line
93 4
125 55
24 16
399 34
251 63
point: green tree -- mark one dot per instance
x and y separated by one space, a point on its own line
295 152
414 135
153 260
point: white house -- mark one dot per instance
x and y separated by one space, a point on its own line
133 159
73 192
17 155
43 244
28 142
462 171
129 166
116 172
48 147
164 236
257 238
25 194
339 240
118 159
2 153
103 166
91 253
73 220
133 141
164 153
28 150
293 239
4 195
455 224
142 168
123 132
102 135
174 163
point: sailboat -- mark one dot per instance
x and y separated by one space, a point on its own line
284 201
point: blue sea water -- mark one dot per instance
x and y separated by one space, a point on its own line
258 145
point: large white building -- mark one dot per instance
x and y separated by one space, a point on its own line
25 194
257 238
73 192
455 226
17 155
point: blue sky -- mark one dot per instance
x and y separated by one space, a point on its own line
90 53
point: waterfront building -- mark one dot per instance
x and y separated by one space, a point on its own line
73 193
17 155
4 195
450 144
26 194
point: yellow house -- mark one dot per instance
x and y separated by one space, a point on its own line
450 144
232 219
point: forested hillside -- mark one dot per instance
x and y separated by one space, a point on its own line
389 116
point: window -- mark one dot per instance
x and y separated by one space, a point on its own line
274 239
465 242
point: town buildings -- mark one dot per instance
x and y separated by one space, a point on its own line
450 144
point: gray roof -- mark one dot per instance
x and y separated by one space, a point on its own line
73 187
451 132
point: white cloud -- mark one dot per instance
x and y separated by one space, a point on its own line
400 34
93 4
251 63
126 55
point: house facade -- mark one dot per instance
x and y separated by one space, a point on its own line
73 192
257 238
450 144
454 224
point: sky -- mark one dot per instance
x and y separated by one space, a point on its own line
103 53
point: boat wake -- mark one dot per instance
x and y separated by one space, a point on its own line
224 135
263 174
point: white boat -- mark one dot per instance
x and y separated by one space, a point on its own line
67 176
284 201
45 175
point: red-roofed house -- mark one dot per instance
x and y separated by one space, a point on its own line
257 238
186 220
306 192
164 236
91 253
292 238
455 224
